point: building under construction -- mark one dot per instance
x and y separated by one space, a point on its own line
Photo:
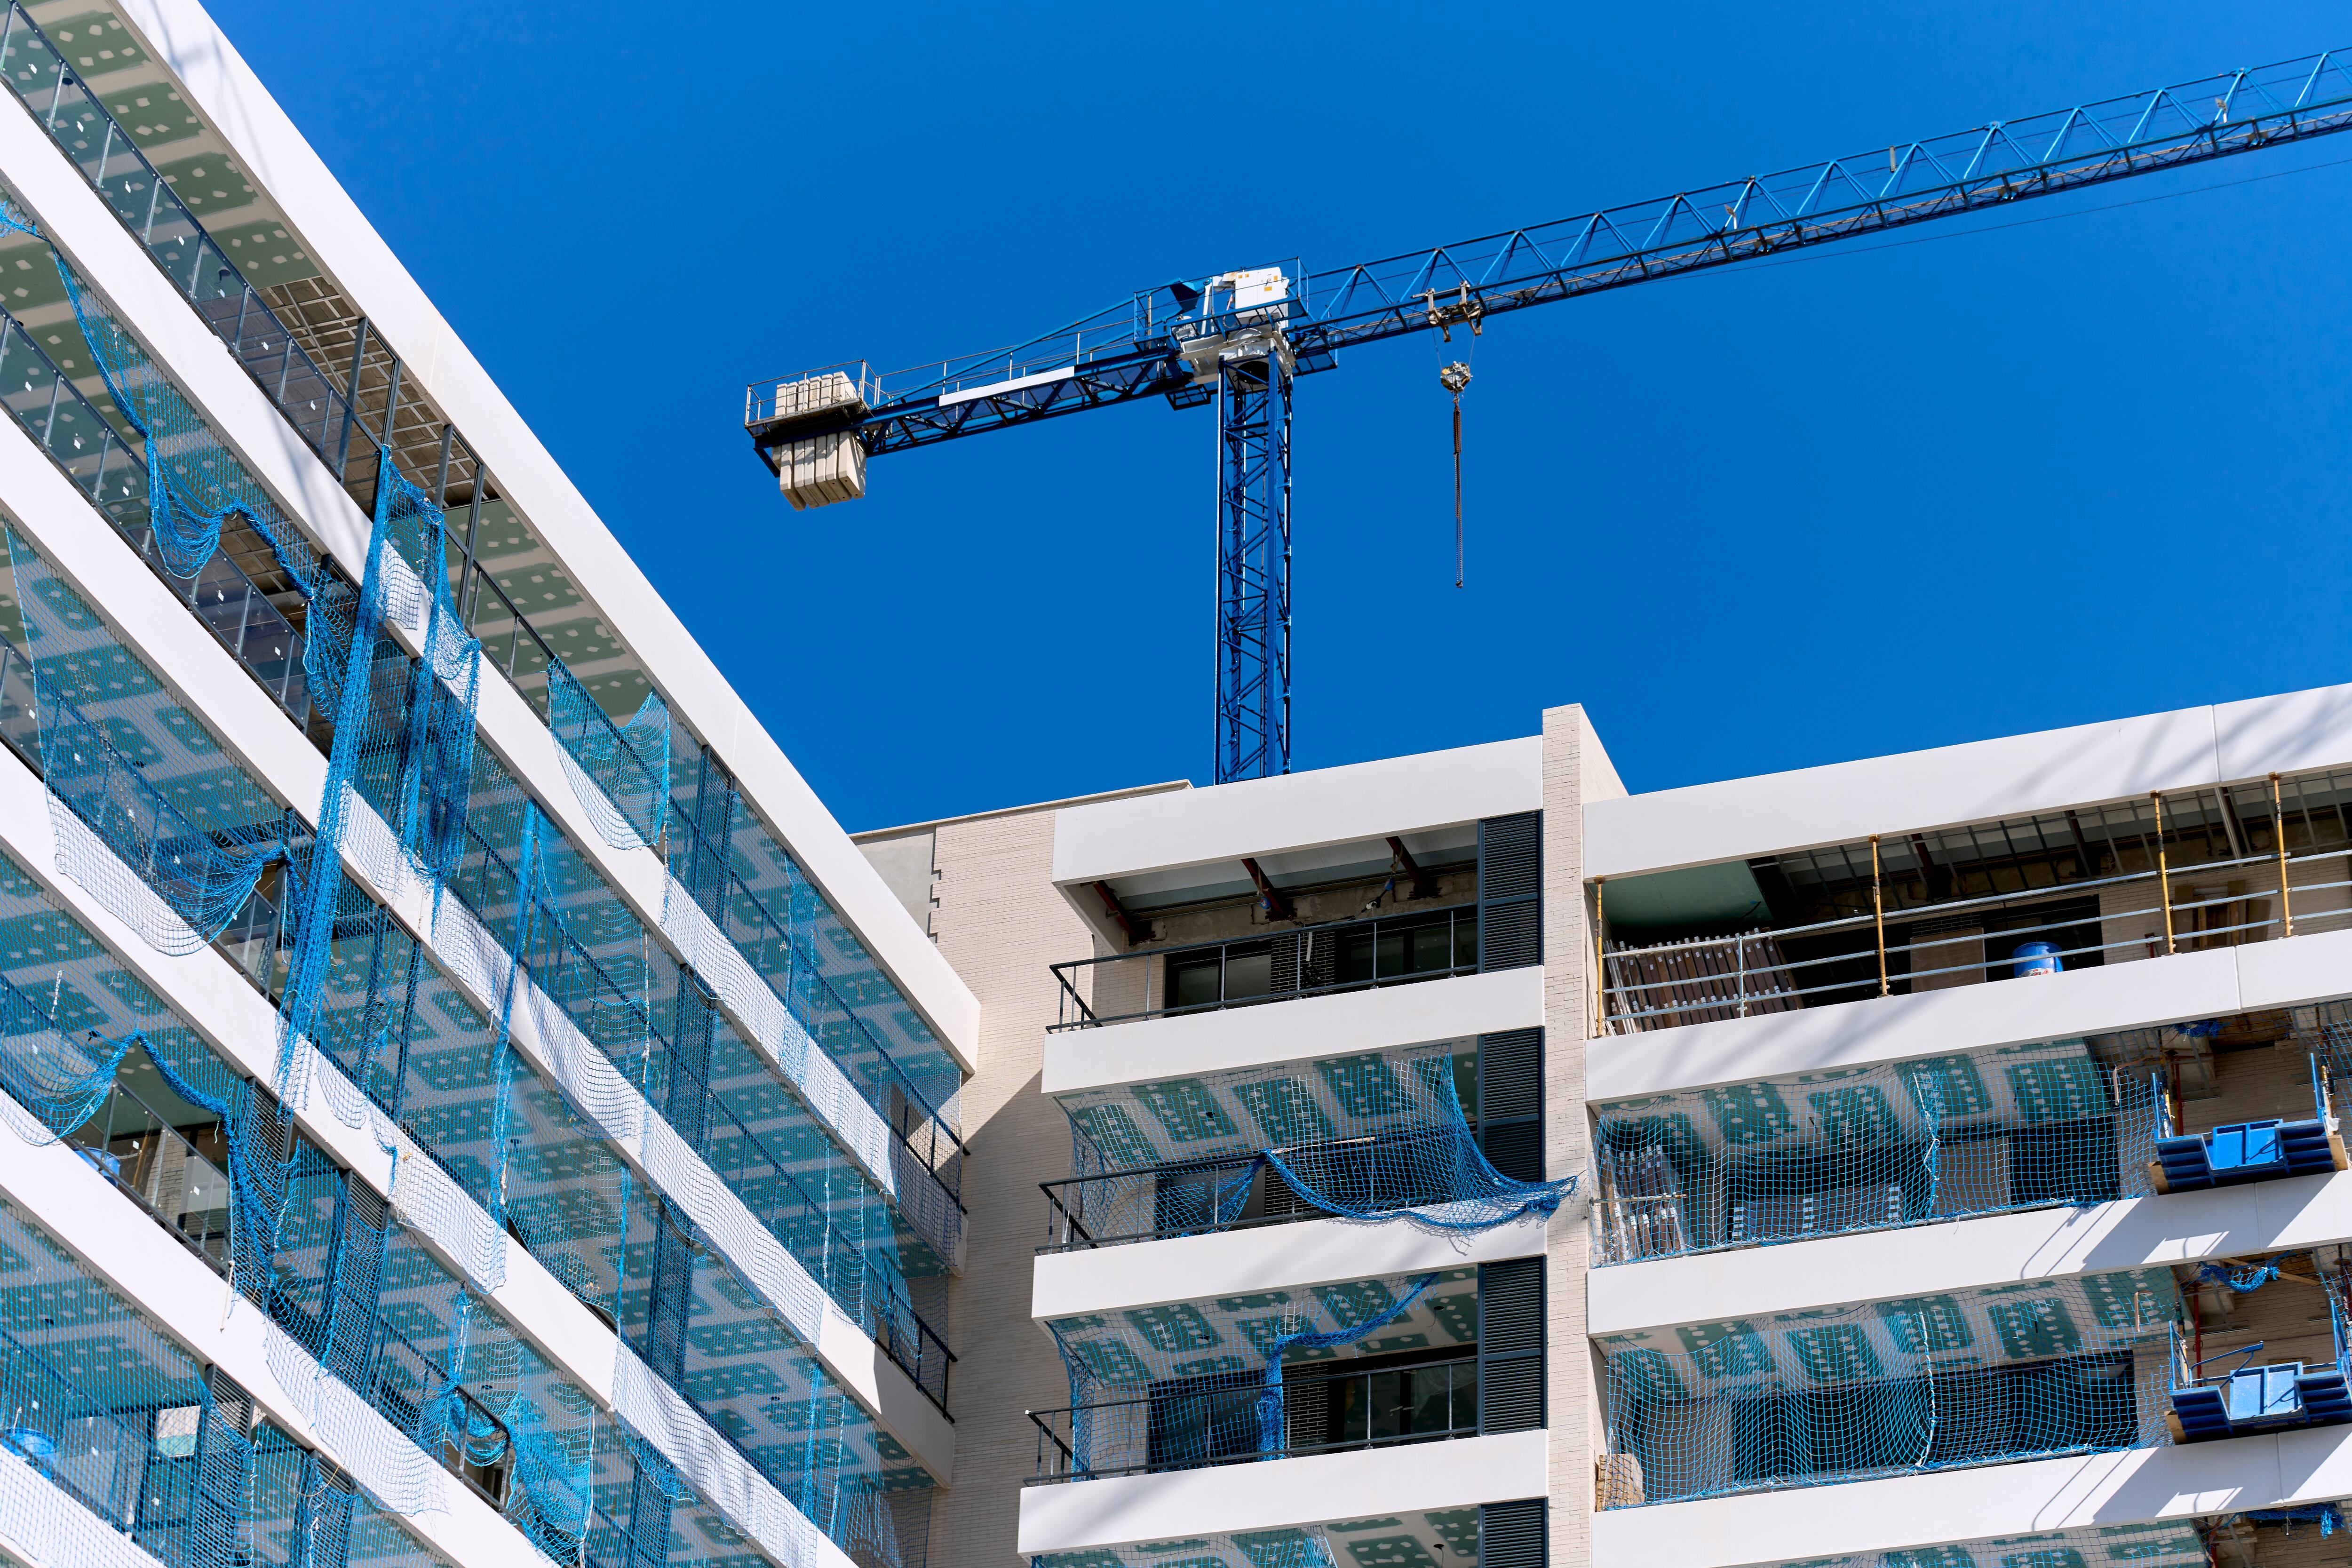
466 1102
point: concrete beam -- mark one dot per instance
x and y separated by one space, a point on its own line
2138 1486
2014 775
1119 1509
1459 1007
1264 1258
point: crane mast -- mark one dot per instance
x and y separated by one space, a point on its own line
1240 340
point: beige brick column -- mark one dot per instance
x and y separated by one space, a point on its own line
996 916
1574 1415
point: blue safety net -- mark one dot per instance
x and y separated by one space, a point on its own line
415 742
1872 1148
2170 1543
190 493
1246 1377
1962 1378
1369 1136
134 1436
119 1418
133 772
503 1410
209 273
403 748
619 770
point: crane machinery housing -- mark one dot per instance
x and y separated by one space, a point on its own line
1241 339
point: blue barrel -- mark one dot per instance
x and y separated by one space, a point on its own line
2034 958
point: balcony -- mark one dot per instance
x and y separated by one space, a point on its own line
1308 961
1901 914
1809 1398
1367 1176
1234 1418
179 1174
2069 1122
2061 1122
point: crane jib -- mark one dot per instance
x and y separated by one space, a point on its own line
1724 224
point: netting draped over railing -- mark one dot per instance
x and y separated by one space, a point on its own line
1810 1397
404 744
190 839
297 1228
411 762
404 584
124 1424
189 493
1866 1148
210 487
1361 1137
619 771
1201 1383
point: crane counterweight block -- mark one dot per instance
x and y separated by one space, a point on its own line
807 431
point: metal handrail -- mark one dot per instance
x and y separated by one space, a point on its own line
1076 1012
1621 1001
1057 1461
1066 1215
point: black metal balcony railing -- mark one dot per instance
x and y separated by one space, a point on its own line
1374 1173
1305 960
1219 1420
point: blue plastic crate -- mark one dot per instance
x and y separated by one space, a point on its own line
2247 1149
2265 1395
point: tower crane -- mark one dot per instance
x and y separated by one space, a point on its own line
1242 338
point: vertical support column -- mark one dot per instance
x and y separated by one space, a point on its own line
1253 736
1575 769
355 1282
686 1096
224 1533
669 1290
323 1518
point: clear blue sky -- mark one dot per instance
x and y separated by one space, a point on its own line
2050 474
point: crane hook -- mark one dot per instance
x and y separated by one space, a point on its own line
1454 377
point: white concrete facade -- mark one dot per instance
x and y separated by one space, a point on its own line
216 79
124 1246
1170 846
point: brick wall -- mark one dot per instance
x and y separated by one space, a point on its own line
997 918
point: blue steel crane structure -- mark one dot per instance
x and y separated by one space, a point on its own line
1240 339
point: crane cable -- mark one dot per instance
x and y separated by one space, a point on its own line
1454 376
